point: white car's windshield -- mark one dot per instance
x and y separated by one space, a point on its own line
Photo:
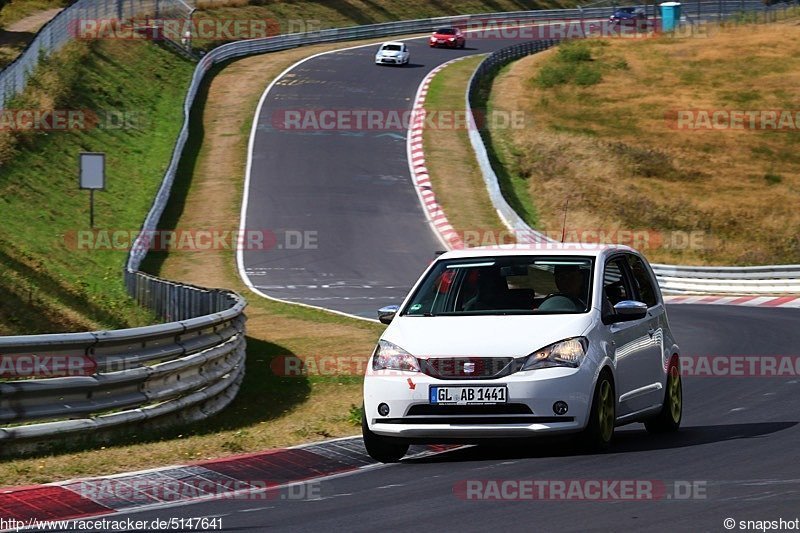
392 48
505 285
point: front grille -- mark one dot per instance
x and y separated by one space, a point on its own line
477 420
468 367
452 410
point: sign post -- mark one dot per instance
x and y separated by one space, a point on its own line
92 177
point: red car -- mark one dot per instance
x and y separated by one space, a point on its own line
448 37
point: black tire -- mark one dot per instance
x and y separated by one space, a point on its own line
599 431
669 419
382 449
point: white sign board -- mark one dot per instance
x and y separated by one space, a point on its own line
92 170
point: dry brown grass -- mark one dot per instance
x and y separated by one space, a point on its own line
614 152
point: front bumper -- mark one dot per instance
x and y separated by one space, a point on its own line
388 61
536 390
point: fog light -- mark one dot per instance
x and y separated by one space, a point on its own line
560 408
383 409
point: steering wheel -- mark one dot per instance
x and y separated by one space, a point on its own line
577 304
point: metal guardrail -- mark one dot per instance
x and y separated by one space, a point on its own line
192 366
673 279
761 280
59 30
186 369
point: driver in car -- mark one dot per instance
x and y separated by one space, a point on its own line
571 291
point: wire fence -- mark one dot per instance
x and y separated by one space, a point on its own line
65 26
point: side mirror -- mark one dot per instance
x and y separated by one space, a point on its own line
386 314
628 310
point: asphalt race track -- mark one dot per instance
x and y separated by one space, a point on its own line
739 443
348 193
740 436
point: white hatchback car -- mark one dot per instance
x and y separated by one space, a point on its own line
512 342
393 53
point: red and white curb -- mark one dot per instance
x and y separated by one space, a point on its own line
748 301
252 476
419 171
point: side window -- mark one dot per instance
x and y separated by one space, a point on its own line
642 280
615 289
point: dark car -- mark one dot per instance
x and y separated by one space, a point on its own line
629 16
448 37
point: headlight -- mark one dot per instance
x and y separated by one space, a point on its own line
569 352
452 39
389 356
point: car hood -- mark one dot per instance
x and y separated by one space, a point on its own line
483 336
389 53
443 36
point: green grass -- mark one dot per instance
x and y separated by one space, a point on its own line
47 284
574 62
13 43
773 179
503 155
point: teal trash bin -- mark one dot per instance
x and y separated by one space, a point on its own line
670 15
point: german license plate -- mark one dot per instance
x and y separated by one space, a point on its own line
467 395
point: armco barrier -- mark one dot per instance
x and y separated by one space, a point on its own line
186 369
193 365
56 33
761 280
673 279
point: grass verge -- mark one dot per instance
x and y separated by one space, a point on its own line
270 410
455 175
48 283
19 22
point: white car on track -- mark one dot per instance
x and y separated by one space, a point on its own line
513 342
393 53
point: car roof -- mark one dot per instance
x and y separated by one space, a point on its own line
548 249
396 43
